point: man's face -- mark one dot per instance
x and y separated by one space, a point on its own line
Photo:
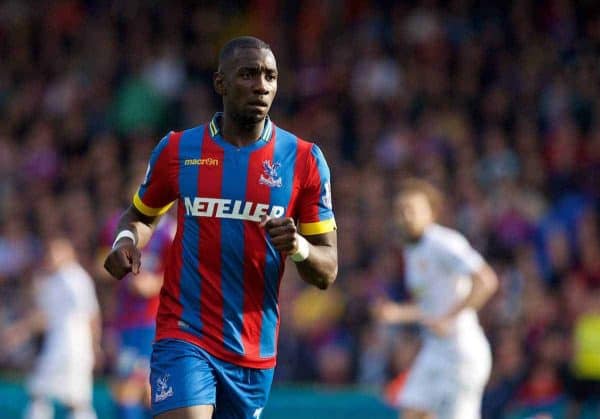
249 84
413 213
58 252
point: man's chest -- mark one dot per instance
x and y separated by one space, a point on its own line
238 185
426 273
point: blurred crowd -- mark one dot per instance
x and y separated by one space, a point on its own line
498 103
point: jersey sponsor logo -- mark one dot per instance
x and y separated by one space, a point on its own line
163 389
270 177
231 209
208 161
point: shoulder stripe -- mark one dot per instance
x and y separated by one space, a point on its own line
319 227
266 136
149 211
213 128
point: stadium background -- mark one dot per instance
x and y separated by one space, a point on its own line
496 102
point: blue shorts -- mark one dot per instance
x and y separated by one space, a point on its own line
135 348
183 374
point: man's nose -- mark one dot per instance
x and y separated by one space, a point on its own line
261 86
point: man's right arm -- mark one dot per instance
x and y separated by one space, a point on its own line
390 312
154 197
125 256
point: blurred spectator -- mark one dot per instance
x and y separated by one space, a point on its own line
66 309
133 325
586 357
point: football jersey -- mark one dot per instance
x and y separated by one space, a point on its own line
222 276
68 300
63 370
133 310
438 270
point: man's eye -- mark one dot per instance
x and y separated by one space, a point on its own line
246 75
271 77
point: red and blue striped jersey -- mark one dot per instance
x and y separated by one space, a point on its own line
222 277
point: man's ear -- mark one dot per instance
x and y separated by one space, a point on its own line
219 83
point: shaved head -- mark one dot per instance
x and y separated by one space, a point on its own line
247 81
229 49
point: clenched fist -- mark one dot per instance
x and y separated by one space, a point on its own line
124 258
282 232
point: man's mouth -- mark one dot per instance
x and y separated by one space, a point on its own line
259 104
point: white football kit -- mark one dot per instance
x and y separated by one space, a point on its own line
449 374
64 368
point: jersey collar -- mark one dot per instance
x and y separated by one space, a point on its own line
215 128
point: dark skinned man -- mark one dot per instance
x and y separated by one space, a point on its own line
249 195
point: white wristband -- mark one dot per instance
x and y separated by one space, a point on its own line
303 249
124 233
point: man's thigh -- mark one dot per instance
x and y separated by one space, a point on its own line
192 412
427 383
183 381
463 401
242 393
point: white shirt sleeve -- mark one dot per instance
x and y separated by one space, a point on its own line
460 257
41 292
85 298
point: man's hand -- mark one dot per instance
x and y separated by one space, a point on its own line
384 311
14 336
315 256
282 232
124 258
440 326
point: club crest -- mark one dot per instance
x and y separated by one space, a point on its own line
269 177
163 389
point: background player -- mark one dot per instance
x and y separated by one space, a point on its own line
67 311
135 319
248 194
450 281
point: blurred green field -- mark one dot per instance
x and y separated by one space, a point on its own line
285 402
289 402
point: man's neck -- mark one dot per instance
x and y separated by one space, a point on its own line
415 238
240 135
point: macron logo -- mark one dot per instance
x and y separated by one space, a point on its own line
209 161
232 209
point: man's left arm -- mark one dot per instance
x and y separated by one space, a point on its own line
311 242
484 284
462 259
315 255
